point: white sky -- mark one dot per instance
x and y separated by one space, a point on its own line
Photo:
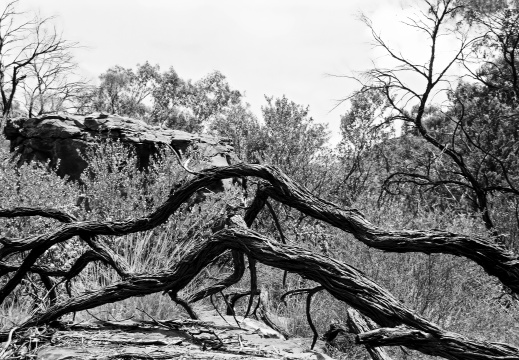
267 47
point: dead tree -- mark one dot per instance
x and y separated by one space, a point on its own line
452 138
32 51
399 325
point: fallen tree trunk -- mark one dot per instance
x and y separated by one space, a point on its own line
342 281
446 344
493 258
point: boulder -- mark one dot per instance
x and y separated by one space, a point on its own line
65 137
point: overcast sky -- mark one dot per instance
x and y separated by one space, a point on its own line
263 47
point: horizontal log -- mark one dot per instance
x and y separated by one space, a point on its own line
342 281
446 344
52 213
493 258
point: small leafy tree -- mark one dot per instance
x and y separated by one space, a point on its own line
293 139
167 100
161 98
241 126
363 149
210 97
122 91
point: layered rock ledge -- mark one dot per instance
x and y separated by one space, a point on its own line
61 139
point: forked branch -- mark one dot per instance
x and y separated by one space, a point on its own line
342 281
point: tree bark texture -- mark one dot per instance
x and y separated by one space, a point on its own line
358 324
342 281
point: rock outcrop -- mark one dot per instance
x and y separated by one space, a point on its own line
62 139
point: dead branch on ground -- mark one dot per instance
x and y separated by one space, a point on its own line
401 325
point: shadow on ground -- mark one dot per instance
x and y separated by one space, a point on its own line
213 337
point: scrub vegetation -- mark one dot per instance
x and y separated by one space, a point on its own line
410 223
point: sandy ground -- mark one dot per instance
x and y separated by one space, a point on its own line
210 338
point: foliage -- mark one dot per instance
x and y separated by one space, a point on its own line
210 96
161 98
287 137
460 154
241 126
486 6
123 92
362 153
451 164
292 138
454 293
117 191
